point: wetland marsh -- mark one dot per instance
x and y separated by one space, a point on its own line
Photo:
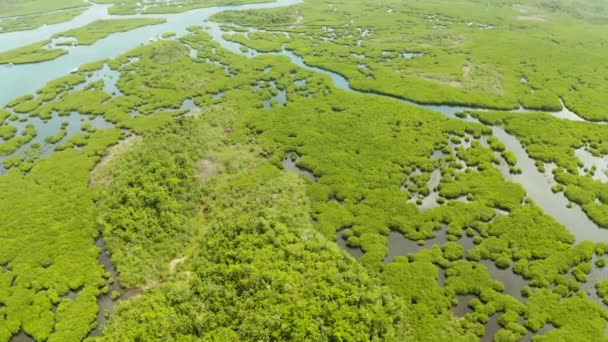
244 163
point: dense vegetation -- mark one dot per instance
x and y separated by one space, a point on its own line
51 277
199 212
97 30
12 8
557 144
35 21
123 7
86 35
254 267
148 212
33 53
433 52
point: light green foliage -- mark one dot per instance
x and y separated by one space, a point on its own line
230 247
35 21
10 8
496 144
556 143
602 290
454 52
49 251
4 114
33 53
122 7
53 139
7 132
546 307
509 157
431 301
260 41
97 30
148 213
249 282
11 145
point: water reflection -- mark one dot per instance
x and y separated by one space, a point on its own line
539 190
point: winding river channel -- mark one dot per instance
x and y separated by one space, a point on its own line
25 79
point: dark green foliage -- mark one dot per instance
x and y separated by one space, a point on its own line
49 251
260 265
230 247
148 213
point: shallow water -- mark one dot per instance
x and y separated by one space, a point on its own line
596 275
110 47
539 189
430 201
22 337
513 282
105 301
52 127
589 160
462 308
492 327
536 184
355 252
108 76
399 245
291 166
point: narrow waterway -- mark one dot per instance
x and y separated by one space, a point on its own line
107 301
112 46
537 186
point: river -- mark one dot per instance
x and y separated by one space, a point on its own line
24 79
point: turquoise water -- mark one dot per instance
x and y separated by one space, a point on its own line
25 79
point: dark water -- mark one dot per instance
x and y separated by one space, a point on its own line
105 302
492 327
22 337
398 245
514 283
355 252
